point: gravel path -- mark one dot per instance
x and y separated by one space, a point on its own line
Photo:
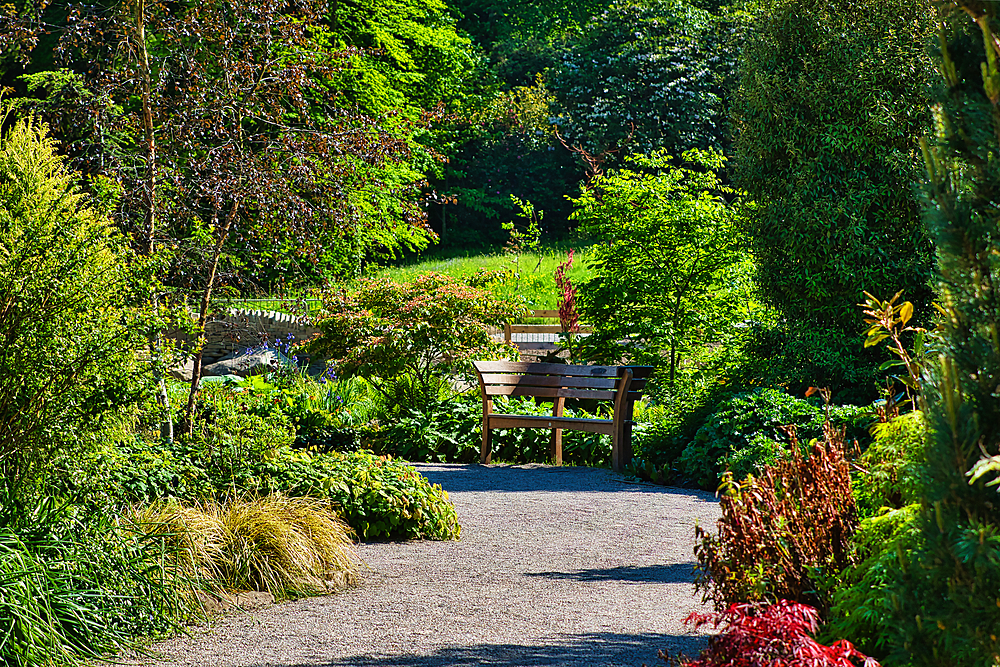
556 566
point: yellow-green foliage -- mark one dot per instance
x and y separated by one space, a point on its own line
70 336
865 600
891 464
285 546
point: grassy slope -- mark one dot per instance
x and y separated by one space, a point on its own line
536 270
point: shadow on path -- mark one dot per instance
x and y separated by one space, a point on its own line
455 477
596 649
675 573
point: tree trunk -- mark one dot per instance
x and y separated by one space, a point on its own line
147 244
206 298
149 221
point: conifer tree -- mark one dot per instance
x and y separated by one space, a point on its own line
948 598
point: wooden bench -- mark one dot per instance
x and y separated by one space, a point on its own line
556 382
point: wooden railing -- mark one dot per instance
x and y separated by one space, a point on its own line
511 329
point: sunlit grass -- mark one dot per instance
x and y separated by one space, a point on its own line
535 272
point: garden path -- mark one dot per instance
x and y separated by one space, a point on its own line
556 566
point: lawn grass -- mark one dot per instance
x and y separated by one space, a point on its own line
533 277
535 272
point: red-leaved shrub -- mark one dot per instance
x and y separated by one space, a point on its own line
568 315
784 530
775 635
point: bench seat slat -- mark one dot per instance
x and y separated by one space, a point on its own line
549 392
550 369
548 381
605 426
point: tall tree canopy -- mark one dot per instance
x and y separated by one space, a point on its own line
644 76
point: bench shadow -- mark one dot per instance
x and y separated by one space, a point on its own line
507 478
585 650
674 573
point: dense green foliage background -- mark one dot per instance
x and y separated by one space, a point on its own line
832 98
737 177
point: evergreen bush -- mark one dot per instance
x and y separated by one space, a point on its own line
830 104
69 331
947 607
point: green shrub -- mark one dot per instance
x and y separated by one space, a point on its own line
379 497
408 338
864 600
71 334
233 429
746 432
669 418
831 102
891 468
285 546
447 430
134 471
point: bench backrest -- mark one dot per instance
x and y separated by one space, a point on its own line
515 378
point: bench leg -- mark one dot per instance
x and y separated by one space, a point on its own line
486 451
616 450
555 442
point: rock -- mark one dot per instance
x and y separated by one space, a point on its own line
244 364
221 602
338 581
183 372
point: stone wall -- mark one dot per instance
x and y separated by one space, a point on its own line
239 329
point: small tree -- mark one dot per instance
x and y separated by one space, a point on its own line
407 338
68 334
667 239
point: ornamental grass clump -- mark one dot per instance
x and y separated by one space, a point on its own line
285 546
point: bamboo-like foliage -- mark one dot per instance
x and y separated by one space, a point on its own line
830 103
